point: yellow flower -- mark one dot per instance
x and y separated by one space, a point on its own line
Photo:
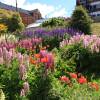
3 28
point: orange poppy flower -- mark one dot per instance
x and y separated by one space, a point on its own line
30 58
37 55
32 61
95 86
44 60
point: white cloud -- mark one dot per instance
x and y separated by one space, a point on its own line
59 13
13 2
46 10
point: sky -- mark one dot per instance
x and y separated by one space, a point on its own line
48 8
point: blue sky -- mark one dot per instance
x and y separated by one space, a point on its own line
48 8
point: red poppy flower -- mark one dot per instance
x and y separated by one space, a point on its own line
44 60
82 80
65 79
73 75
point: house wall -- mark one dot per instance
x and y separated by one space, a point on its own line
28 19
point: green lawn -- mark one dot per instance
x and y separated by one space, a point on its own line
96 28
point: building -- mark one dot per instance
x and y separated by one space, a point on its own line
93 6
37 23
27 16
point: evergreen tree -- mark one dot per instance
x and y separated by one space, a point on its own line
81 20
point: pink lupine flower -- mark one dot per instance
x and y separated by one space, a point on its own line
20 58
43 53
50 62
26 59
1 52
22 93
9 55
4 53
22 71
92 42
1 60
85 43
26 87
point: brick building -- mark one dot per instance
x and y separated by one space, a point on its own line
93 6
27 16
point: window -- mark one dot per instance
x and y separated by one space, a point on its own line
98 14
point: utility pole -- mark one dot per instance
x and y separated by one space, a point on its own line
16 6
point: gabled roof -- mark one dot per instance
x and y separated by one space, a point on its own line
8 7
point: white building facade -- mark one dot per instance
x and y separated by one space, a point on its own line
93 7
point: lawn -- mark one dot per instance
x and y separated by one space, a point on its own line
96 28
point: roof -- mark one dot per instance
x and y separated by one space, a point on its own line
37 23
8 7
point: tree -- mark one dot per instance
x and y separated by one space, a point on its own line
12 20
80 20
53 22
15 23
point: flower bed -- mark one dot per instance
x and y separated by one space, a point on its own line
29 71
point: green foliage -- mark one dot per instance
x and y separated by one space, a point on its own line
12 20
15 23
82 58
53 42
73 93
53 22
43 86
61 66
80 20
9 79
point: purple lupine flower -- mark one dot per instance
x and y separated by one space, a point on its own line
58 32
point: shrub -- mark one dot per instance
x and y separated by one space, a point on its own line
82 51
12 20
15 23
81 20
10 81
52 42
53 22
